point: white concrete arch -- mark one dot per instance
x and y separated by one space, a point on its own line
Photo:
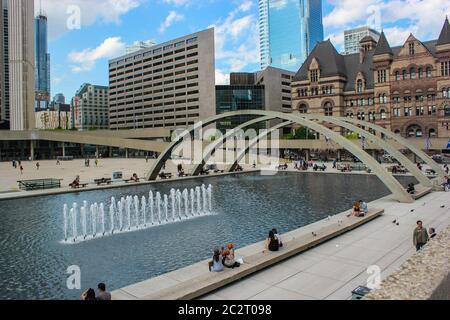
253 142
391 183
208 152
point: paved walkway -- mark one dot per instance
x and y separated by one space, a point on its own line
334 269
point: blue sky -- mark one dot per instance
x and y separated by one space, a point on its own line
81 54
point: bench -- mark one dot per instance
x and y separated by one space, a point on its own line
196 281
79 186
39 184
101 181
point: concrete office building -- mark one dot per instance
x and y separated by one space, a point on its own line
21 64
353 38
171 85
4 66
91 107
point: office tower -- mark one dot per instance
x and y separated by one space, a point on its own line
42 61
170 85
91 107
269 89
354 36
289 31
59 99
21 64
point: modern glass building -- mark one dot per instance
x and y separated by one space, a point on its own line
289 30
42 59
238 97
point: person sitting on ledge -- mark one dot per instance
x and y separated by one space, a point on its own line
364 207
229 259
356 210
75 183
323 167
432 233
277 235
103 295
272 243
134 178
89 294
316 167
411 189
216 265
239 168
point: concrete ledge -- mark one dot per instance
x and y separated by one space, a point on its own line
422 192
195 281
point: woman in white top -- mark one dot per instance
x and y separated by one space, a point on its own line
216 265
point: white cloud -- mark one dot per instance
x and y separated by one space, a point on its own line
107 11
85 60
398 18
222 78
177 3
245 5
237 41
170 19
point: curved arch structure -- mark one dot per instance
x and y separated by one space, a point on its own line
402 141
391 183
253 143
418 174
208 152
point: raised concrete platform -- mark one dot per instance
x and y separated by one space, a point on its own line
195 281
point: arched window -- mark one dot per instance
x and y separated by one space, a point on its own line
359 86
303 108
328 109
444 92
397 75
447 110
414 131
361 116
432 133
383 114
405 75
420 73
413 73
428 72
371 116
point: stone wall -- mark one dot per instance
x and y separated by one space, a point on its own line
424 276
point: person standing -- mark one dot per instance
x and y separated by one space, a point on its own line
21 169
420 236
37 166
96 162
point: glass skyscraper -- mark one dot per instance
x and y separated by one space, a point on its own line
289 30
42 60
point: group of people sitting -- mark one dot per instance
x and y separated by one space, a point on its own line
283 166
102 295
223 258
360 209
180 170
323 167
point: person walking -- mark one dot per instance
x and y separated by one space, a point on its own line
420 236
21 169
37 166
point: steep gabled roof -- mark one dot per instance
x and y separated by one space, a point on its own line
444 37
383 46
330 61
